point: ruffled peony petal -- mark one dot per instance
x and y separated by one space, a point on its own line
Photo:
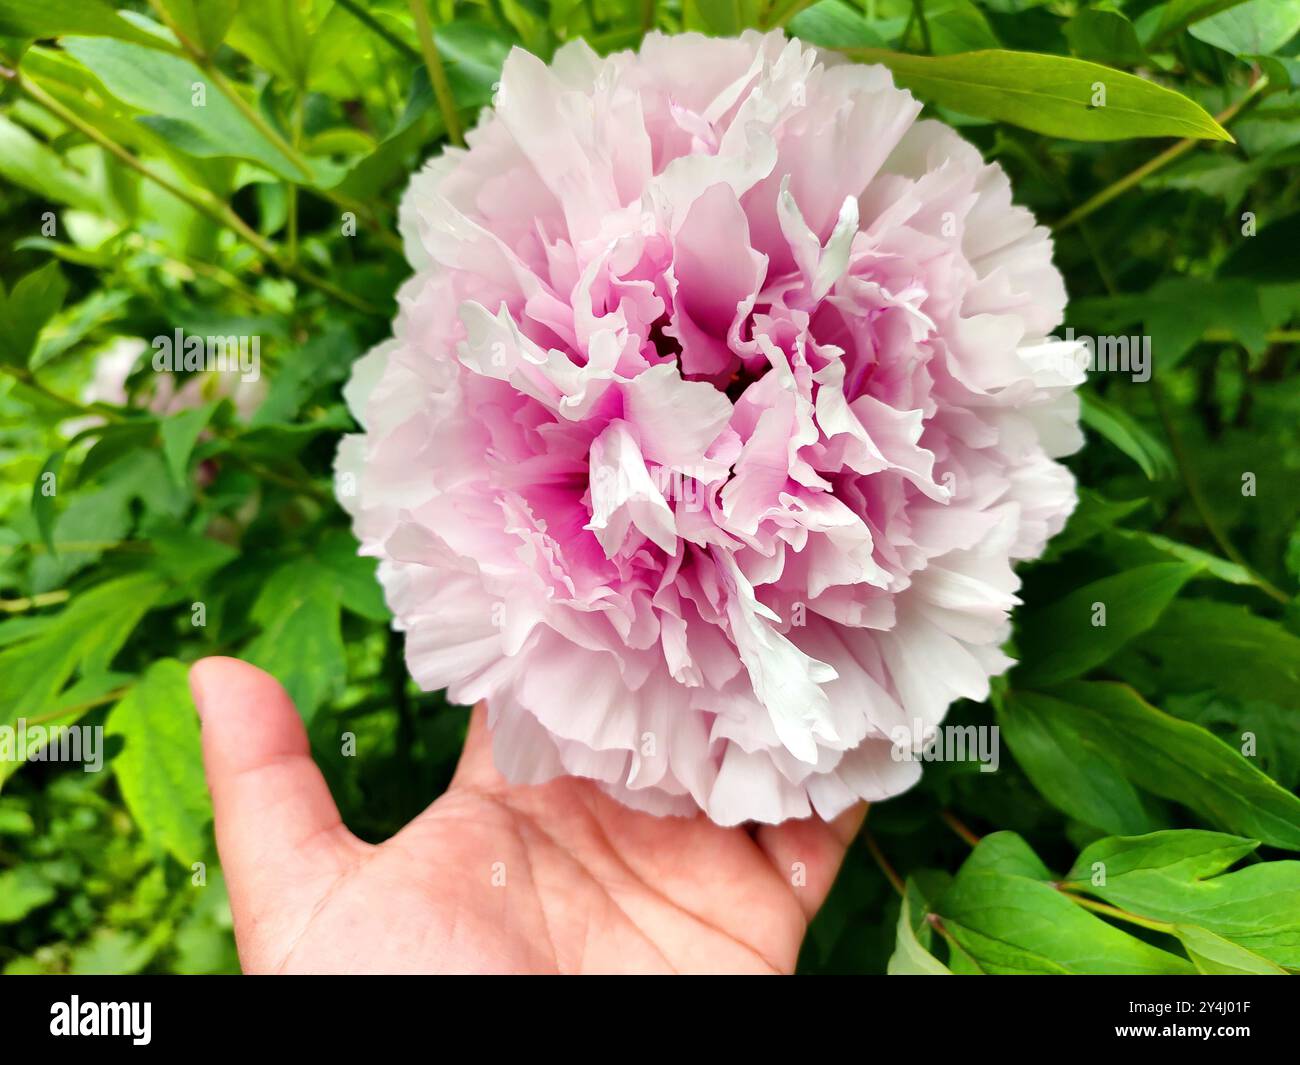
719 406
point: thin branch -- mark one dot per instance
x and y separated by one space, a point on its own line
79 708
34 602
28 379
783 11
950 819
890 874
1274 336
83 546
1115 911
378 29
437 74
919 8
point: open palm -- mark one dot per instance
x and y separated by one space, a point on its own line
491 877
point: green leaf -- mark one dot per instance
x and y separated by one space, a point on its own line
473 55
203 22
1201 643
720 18
1269 256
44 492
1179 877
86 18
1084 629
910 957
1257 27
160 766
293 39
1138 546
35 166
1182 856
834 24
958 26
31 304
1175 760
1220 176
1104 37
75 702
1118 427
1215 956
301 643
113 951
355 576
1011 923
1175 314
1049 94
371 173
163 86
1164 21
90 629
1013 7
1093 516
1067 767
185 556
1273 736
180 432
116 441
22 890
1282 71
324 359
73 324
1181 310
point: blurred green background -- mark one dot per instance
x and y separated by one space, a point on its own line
146 522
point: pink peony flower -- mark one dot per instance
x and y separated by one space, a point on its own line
719 405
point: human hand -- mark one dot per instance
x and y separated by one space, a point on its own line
589 885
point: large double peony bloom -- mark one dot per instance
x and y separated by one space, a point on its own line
718 408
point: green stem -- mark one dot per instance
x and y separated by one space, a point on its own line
83 546
378 28
919 8
952 821
890 874
437 74
79 708
783 11
30 380
34 602
1275 336
1115 911
293 189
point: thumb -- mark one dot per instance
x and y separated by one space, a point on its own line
279 833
